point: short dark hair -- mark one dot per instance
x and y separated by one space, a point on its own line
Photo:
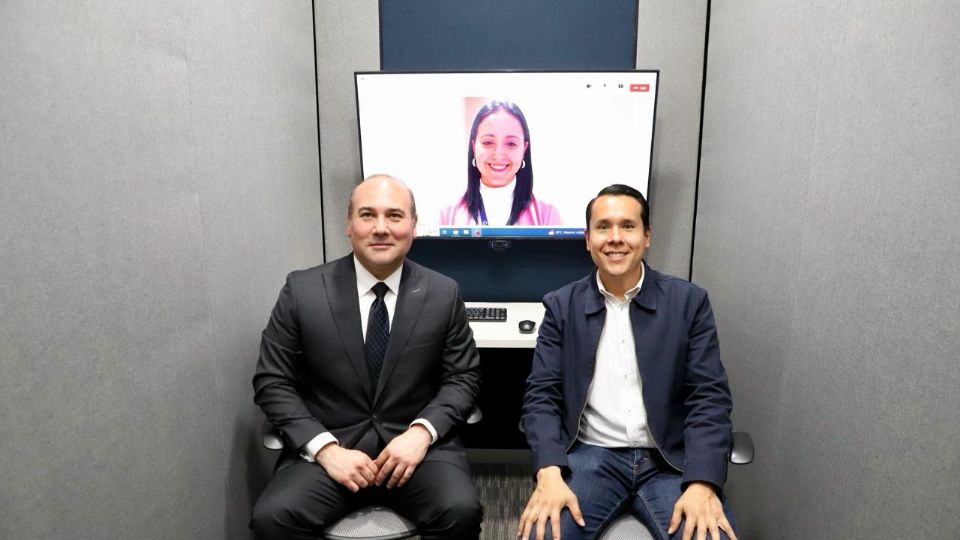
623 190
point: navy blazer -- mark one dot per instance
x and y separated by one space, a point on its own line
685 389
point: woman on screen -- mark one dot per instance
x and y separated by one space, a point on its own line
499 174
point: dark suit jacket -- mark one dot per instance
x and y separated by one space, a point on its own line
312 374
685 388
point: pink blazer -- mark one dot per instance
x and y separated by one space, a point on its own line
536 213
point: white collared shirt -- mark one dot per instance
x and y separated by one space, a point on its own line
615 415
366 297
365 283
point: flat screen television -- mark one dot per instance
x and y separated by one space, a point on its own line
502 164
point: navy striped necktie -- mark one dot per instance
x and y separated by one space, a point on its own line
378 333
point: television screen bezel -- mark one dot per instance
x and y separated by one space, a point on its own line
490 240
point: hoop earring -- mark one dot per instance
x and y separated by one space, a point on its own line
474 162
523 163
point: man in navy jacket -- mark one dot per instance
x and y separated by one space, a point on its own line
627 405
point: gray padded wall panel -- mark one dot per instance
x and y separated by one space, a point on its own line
348 40
670 37
159 177
827 235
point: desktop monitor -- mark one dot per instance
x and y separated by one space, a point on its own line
502 164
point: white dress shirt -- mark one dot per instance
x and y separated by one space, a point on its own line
365 283
615 416
366 296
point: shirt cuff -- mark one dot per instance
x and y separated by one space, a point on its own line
309 450
426 423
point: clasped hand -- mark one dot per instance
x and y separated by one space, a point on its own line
395 465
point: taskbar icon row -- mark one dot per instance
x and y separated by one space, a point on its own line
510 232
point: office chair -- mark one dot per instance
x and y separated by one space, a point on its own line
628 527
368 523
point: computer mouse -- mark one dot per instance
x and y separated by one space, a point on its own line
526 327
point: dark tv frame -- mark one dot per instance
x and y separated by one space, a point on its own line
509 269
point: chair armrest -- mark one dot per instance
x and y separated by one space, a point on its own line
742 451
270 437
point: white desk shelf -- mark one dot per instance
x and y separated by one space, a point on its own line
506 334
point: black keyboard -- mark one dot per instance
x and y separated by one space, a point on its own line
497 314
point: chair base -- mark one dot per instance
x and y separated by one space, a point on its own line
626 527
371 523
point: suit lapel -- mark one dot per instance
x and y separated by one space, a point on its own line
341 289
409 303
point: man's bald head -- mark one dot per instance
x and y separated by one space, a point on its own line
381 223
370 181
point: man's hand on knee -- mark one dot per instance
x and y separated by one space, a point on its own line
702 512
546 503
351 468
402 455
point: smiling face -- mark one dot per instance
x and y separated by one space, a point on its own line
498 148
382 224
617 240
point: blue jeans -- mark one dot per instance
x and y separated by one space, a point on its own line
610 481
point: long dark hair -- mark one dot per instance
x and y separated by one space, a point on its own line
523 192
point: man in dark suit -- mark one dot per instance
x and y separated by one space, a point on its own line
367 368
627 405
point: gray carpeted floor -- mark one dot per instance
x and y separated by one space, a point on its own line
504 490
